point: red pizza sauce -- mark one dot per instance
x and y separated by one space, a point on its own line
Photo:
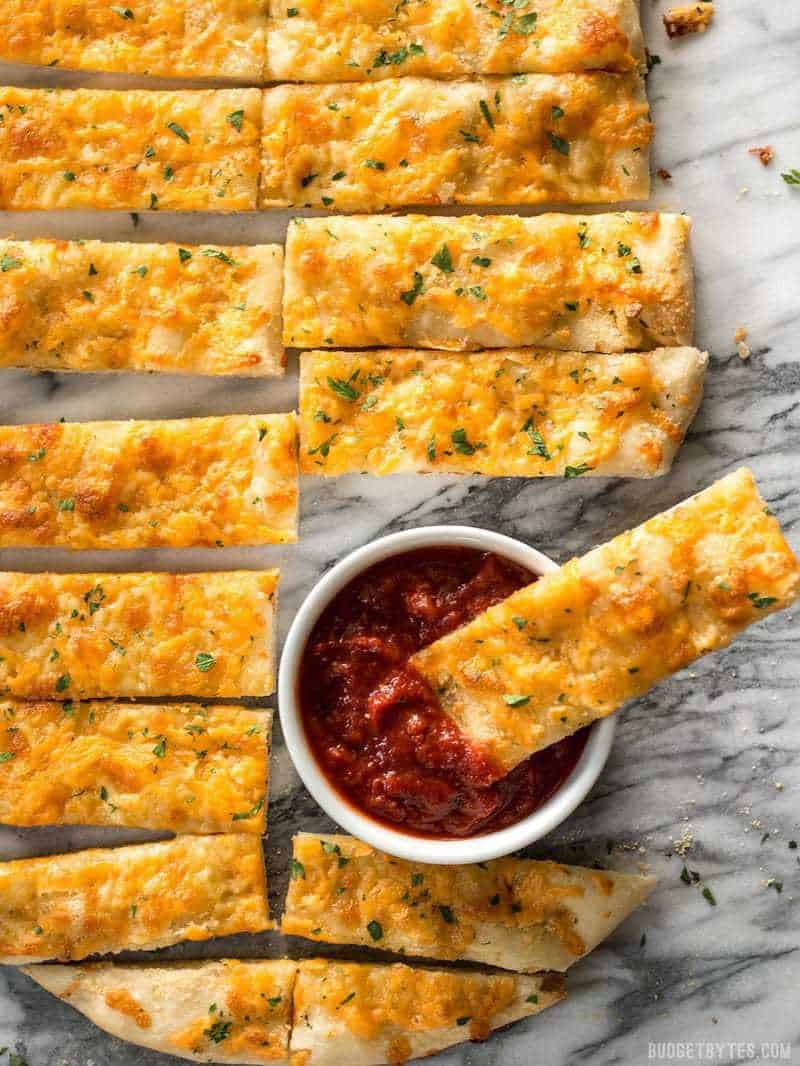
375 725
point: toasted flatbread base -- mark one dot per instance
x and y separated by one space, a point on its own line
337 40
517 914
131 150
177 484
187 768
177 309
603 283
574 138
226 1010
365 1015
137 635
528 413
605 628
140 897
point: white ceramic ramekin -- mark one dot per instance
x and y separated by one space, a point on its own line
406 845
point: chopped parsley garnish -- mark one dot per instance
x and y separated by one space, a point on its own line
338 175
241 816
375 929
533 998
537 440
298 871
123 12
464 1020
63 683
235 119
218 1032
761 602
306 181
462 444
516 701
343 389
184 255
443 260
374 164
556 112
432 449
558 143
470 137
9 263
410 295
179 131
708 895
416 880
583 234
486 114
477 291
347 999
792 177
6 756
68 175
447 914
66 505
204 661
88 296
274 1000
623 250
160 750
482 261
576 471
217 253
520 623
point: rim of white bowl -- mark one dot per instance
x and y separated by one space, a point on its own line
381 836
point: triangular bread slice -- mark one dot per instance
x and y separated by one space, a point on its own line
519 914
363 1014
223 1010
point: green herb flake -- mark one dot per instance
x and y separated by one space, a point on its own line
218 1032
204 661
179 131
558 143
235 119
375 929
63 683
708 896
123 12
482 261
242 816
443 260
463 1021
9 263
343 389
761 602
160 750
576 471
516 701
6 756
483 105
410 295
297 871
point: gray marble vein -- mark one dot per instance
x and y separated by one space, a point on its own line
709 760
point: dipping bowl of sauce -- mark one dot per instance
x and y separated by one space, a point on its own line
366 732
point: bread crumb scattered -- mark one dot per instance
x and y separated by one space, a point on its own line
740 336
664 174
690 18
764 155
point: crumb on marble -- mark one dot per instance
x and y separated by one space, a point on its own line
764 155
684 843
664 174
689 18
740 336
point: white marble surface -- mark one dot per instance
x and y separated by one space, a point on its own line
713 753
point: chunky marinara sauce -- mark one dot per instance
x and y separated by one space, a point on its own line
376 726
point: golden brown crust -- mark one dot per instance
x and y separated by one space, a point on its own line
358 40
171 38
603 283
524 413
188 482
80 636
89 305
361 1013
187 768
574 138
513 913
688 18
133 150
144 896
605 628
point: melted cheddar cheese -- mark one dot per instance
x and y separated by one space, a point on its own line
605 628
514 913
188 482
225 1010
542 139
600 283
78 636
144 896
171 38
186 768
133 150
88 305
523 413
357 40
359 1012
